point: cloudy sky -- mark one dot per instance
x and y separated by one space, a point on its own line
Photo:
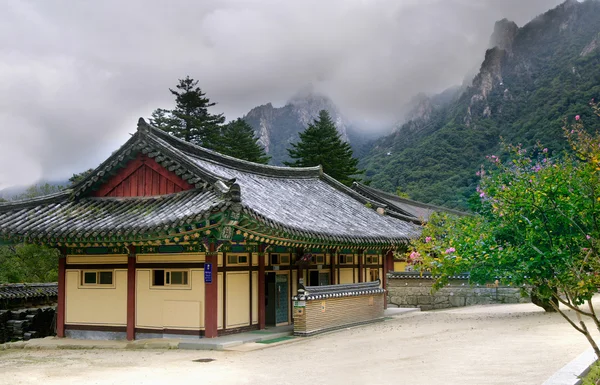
76 75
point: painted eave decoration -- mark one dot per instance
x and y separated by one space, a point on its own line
157 189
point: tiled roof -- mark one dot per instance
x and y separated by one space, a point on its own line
93 217
302 202
404 208
28 290
335 291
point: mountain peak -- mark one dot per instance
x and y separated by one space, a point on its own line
504 34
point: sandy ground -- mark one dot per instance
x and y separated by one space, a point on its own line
495 344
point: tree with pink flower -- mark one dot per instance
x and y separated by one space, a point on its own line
539 229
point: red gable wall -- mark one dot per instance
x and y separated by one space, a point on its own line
142 177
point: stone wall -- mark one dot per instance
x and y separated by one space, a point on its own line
336 306
410 289
24 324
27 310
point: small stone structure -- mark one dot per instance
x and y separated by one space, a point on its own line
412 289
27 311
318 309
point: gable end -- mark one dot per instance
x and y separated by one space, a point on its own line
142 176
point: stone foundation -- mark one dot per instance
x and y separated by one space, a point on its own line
408 289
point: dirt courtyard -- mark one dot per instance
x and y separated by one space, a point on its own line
494 344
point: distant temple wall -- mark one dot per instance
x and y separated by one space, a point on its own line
410 289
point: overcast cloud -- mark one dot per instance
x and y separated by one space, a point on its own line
76 75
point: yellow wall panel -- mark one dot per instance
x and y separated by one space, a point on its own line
294 283
400 266
238 300
220 259
96 259
254 297
96 305
254 259
220 301
170 308
346 276
171 258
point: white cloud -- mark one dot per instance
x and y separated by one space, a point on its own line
76 75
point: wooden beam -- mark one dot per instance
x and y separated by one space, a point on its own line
261 287
60 309
131 277
211 294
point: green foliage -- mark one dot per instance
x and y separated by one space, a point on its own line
238 140
190 120
38 190
321 144
400 192
593 376
28 263
76 178
537 227
544 79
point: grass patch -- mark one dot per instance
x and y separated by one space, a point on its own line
593 376
274 340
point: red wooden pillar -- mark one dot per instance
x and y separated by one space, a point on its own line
261 287
211 294
389 262
131 293
332 254
60 311
360 265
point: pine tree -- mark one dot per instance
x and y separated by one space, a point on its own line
238 140
190 120
321 144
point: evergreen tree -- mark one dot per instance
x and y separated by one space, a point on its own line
238 140
76 178
190 120
321 144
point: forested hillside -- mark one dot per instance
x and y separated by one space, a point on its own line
535 77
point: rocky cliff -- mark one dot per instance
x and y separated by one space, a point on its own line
277 127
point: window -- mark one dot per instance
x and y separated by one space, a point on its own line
275 260
318 259
346 259
234 259
97 278
372 260
285 260
170 277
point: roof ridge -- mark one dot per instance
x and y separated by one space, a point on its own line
24 203
229 161
406 200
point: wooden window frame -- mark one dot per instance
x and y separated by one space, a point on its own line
97 284
169 285
237 258
318 259
345 258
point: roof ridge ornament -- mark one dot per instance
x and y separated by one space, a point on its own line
142 125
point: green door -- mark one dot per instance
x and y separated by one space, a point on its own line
283 298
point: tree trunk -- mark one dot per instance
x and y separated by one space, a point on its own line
544 302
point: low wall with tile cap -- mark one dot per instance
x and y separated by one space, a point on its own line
324 308
27 310
411 289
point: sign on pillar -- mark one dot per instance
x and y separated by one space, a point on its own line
208 273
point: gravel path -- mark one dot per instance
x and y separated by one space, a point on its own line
494 344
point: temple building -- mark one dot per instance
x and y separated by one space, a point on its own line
168 238
403 209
